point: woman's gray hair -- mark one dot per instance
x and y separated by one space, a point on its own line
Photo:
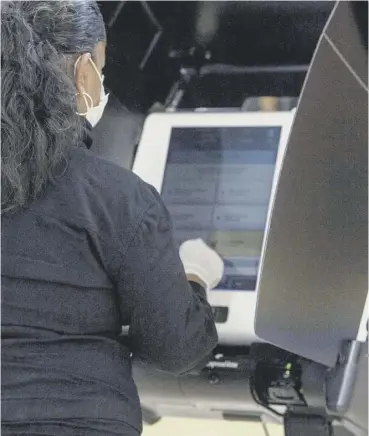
40 40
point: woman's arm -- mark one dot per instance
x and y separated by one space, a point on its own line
171 324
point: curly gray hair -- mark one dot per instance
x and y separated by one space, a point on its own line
40 41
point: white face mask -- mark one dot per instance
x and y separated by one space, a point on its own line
93 113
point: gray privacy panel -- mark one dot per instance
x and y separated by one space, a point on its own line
345 36
116 135
314 279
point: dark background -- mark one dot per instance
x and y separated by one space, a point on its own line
196 34
211 54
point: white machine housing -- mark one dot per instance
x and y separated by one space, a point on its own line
150 165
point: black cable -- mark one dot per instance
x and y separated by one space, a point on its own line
257 401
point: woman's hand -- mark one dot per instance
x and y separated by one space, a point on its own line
201 264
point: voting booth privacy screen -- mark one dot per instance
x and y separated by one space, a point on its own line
217 185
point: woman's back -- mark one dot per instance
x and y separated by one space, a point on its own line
77 265
61 356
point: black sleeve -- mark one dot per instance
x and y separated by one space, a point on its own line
171 322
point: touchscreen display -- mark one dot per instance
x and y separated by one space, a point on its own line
217 186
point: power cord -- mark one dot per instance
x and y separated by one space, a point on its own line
257 401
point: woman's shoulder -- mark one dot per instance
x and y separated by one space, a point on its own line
103 186
88 169
86 164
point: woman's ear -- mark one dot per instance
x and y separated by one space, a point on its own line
81 70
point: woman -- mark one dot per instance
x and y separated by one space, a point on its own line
86 246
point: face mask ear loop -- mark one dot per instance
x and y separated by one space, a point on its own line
95 68
86 97
76 63
88 101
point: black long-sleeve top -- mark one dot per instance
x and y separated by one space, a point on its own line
93 253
